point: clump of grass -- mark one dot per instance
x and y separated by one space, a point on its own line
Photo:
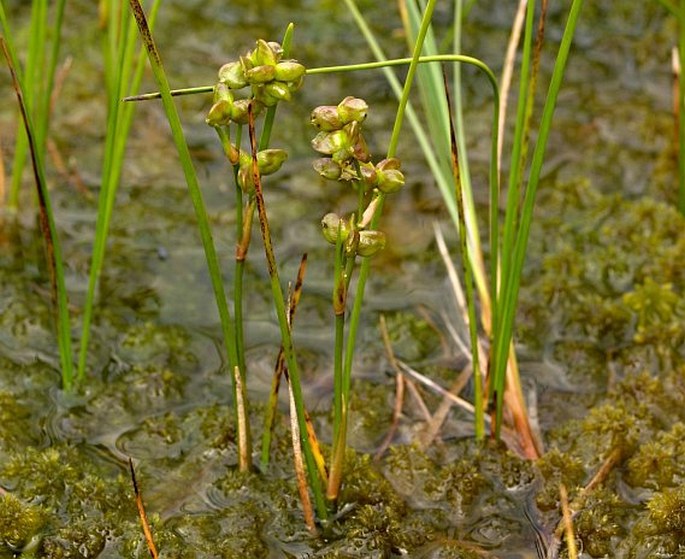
497 289
123 74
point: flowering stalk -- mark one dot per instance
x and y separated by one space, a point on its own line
264 71
347 160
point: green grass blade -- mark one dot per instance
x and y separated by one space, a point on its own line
511 281
286 335
191 180
53 246
478 401
122 64
43 114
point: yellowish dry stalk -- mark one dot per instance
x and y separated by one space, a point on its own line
244 462
300 473
568 524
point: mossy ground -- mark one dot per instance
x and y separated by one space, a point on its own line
606 291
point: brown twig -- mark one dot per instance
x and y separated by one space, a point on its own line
141 513
40 187
280 366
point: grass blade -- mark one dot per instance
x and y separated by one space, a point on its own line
191 180
286 336
478 400
49 229
120 51
511 280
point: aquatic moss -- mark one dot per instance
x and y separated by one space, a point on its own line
659 463
20 525
602 522
556 468
610 275
370 414
667 512
17 427
660 532
165 345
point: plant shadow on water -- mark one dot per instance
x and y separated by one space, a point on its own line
601 318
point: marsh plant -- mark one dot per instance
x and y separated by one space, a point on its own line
269 77
246 97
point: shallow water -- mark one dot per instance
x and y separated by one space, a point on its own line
158 390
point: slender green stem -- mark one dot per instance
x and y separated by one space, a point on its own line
511 219
340 438
337 69
44 112
191 180
286 336
439 165
339 302
478 404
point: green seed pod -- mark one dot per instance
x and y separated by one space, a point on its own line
265 53
390 181
239 111
277 49
222 93
369 174
260 74
270 160
390 178
327 168
245 178
352 109
360 150
289 71
333 226
326 119
233 154
370 242
391 163
245 159
220 113
278 90
329 143
246 63
232 74
295 85
263 97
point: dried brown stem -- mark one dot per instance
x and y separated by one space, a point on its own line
141 513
